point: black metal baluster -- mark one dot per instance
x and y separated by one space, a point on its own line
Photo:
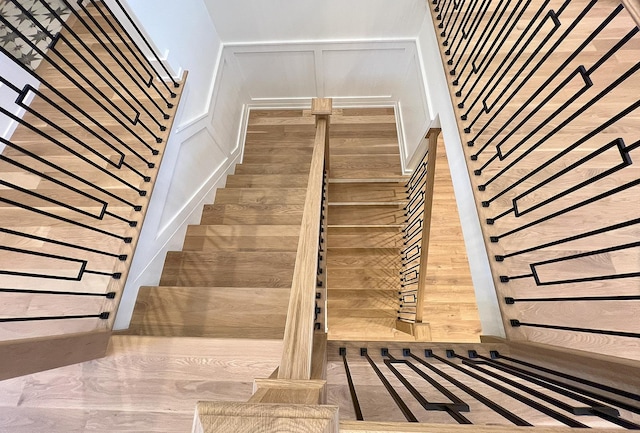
484 39
68 173
121 257
511 417
496 79
103 316
53 89
120 33
91 52
175 83
71 151
469 37
552 77
494 49
453 407
580 380
586 77
109 295
564 152
594 408
516 323
465 19
511 393
352 388
392 392
625 161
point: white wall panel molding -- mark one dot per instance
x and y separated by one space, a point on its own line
211 88
146 271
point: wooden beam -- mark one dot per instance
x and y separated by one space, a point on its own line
20 357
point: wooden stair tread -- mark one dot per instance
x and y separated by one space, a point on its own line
367 192
364 237
228 268
367 215
278 214
267 180
210 311
242 237
376 166
300 168
260 196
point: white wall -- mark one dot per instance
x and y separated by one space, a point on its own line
442 108
204 144
16 75
315 20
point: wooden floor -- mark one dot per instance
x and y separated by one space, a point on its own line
144 384
366 217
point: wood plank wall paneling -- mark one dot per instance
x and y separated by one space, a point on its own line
525 125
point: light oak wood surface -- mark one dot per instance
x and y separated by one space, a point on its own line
523 147
149 384
364 236
99 152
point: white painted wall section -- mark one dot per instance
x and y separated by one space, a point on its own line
253 21
442 107
19 77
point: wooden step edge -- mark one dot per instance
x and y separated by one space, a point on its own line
373 226
370 180
368 203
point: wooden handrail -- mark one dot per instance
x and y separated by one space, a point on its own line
633 7
432 136
299 328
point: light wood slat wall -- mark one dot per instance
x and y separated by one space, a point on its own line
523 147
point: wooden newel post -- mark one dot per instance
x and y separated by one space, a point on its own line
321 108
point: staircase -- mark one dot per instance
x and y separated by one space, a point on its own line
233 276
365 217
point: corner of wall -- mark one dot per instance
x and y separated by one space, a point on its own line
486 298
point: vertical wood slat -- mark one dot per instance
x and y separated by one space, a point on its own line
432 136
299 327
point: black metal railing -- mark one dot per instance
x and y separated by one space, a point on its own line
548 98
321 280
477 388
412 234
90 124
